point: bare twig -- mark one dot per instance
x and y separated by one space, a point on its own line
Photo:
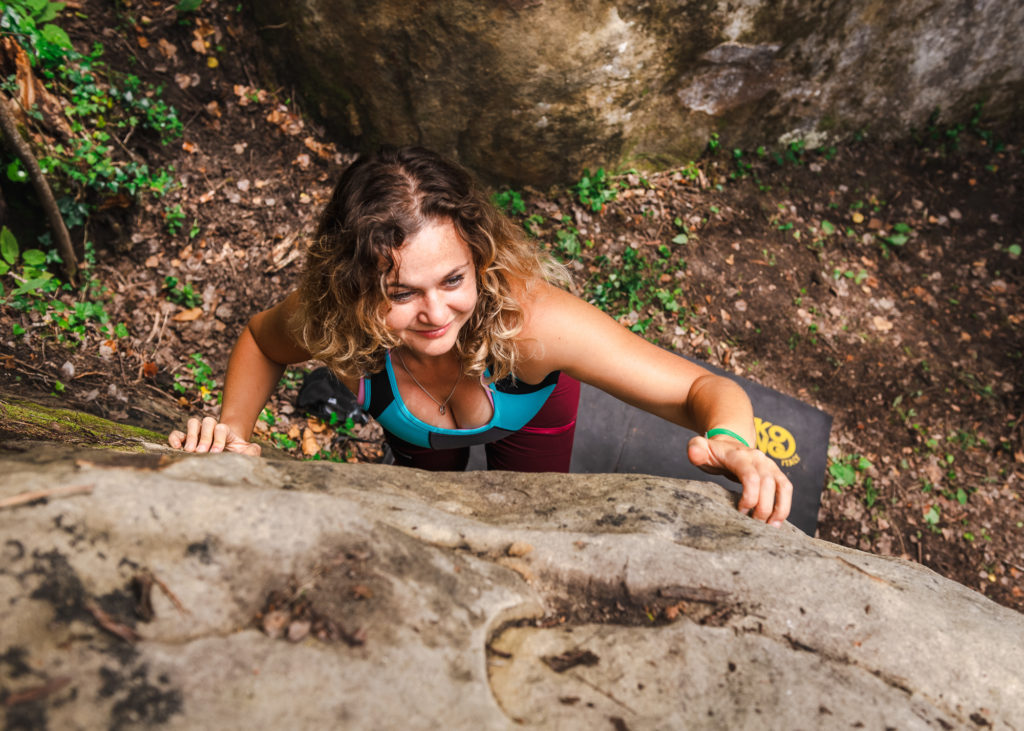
110 624
28 497
40 691
21 149
170 595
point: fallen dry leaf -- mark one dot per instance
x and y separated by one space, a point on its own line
290 124
881 324
188 315
326 151
170 52
310 445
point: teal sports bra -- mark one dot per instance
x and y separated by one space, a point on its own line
514 404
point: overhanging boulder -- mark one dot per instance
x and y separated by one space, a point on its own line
227 592
533 91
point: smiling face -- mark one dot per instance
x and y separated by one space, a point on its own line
432 290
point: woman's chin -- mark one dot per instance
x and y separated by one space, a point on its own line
429 347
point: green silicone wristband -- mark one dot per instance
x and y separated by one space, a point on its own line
729 433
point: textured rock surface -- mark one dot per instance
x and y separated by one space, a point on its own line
534 90
481 600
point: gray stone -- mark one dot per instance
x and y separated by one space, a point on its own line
533 91
477 600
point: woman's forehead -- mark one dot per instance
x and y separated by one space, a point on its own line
431 253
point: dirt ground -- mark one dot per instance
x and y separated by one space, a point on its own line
878 282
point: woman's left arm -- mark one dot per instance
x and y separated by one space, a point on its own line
562 332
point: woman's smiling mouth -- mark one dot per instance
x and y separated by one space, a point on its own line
436 333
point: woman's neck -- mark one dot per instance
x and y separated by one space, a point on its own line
427 362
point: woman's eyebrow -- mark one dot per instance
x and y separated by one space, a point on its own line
449 275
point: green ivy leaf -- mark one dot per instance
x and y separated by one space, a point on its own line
843 474
34 257
15 173
49 12
8 246
56 35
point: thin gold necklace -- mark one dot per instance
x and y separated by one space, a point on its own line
441 405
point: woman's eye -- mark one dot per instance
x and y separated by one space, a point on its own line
455 281
400 296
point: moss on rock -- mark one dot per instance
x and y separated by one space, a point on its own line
21 420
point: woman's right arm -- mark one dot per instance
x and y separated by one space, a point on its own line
257 362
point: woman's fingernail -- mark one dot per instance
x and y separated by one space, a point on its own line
777 523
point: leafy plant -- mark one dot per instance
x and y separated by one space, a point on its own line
200 376
567 240
626 287
596 189
32 279
90 160
174 217
181 294
283 441
847 472
900 235
509 201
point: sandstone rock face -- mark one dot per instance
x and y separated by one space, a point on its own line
532 91
236 593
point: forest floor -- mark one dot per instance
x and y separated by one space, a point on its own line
879 282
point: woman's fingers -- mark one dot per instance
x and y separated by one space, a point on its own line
221 432
767 492
192 438
205 434
209 435
783 501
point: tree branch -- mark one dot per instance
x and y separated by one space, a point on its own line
21 149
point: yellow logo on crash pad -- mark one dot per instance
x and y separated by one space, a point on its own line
777 442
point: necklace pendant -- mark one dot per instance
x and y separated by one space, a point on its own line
441 409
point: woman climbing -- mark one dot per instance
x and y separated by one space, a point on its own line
437 312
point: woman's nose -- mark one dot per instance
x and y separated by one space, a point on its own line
433 308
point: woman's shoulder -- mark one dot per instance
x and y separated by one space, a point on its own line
546 306
553 319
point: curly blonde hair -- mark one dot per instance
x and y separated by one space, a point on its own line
379 202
